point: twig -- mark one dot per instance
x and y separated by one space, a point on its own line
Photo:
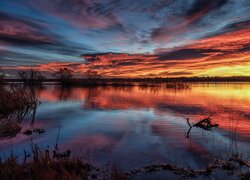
57 138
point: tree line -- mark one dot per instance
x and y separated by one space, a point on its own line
91 77
64 75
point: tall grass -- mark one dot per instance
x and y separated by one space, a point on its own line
177 85
16 102
43 167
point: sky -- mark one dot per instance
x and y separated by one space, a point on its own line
126 38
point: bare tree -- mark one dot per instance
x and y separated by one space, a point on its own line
31 76
65 75
2 75
92 75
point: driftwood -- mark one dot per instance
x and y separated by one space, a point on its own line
205 124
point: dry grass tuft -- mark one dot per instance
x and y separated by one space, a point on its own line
16 102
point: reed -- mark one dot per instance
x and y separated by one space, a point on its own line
177 85
43 167
16 102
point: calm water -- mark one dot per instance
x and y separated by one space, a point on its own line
131 127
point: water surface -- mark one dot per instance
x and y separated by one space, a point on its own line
134 126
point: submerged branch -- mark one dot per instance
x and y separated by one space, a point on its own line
205 124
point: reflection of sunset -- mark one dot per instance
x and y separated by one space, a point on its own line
55 94
94 142
228 102
140 125
162 129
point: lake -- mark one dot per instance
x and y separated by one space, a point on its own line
133 126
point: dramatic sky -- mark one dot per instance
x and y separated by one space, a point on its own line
127 38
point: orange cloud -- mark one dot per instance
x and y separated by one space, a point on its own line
223 55
230 41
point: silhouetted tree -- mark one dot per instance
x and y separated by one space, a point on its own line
31 76
92 75
2 76
65 75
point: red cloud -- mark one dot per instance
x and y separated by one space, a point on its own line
207 57
230 41
18 30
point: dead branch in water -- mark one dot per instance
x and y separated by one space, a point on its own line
205 124
189 123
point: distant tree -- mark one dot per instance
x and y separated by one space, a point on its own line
65 75
31 76
92 75
2 75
